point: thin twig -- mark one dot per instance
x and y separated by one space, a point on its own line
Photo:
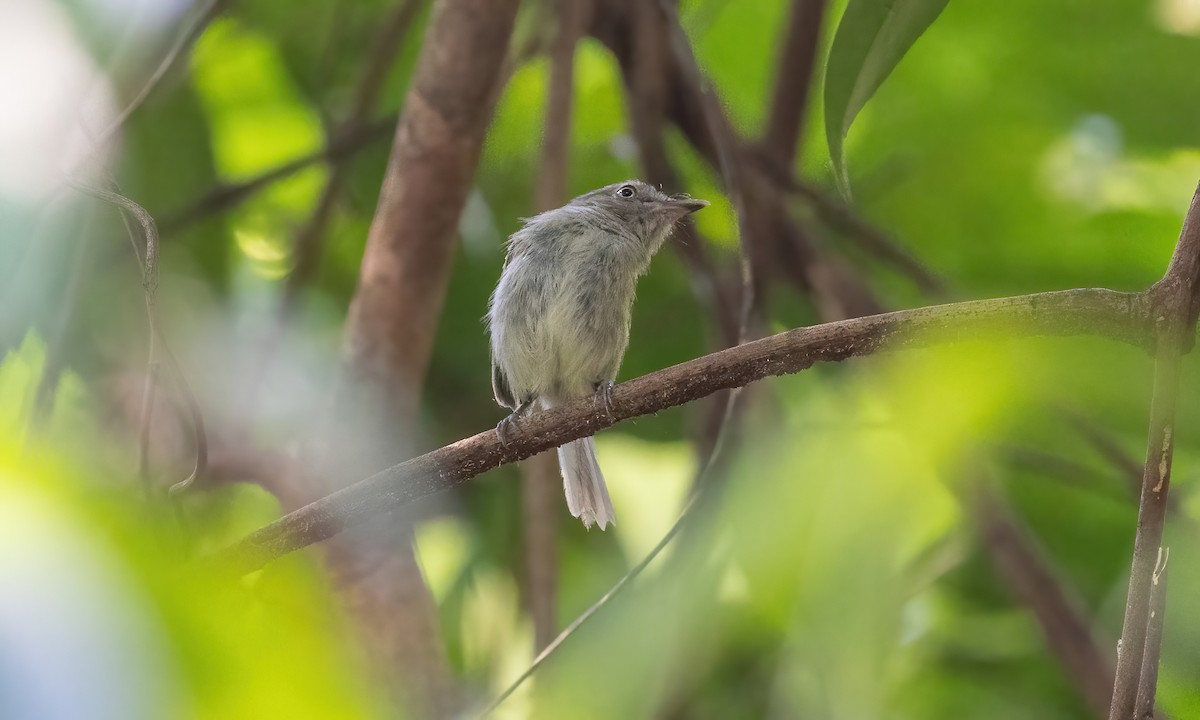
839 216
1175 301
149 386
1097 312
596 606
1053 466
1148 682
156 342
1105 444
384 49
778 243
551 187
227 196
309 242
185 40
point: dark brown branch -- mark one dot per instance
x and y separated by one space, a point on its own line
1175 301
1121 316
793 78
729 162
551 188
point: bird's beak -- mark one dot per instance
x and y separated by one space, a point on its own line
688 205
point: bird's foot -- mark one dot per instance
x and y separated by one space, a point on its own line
504 427
604 390
508 424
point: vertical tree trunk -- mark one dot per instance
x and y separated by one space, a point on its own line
392 324
406 266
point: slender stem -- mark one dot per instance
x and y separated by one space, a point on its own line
148 260
1148 682
1174 303
1156 480
212 9
595 607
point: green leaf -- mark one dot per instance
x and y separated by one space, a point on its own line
871 38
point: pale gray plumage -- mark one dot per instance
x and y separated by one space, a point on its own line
559 317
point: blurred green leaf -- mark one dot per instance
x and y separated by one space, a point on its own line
871 39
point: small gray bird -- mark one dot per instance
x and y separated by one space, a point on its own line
559 318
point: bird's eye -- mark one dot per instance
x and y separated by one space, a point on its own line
626 191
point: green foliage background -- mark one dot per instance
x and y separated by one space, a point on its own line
1018 147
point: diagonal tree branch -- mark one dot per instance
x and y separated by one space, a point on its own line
352 140
227 196
1124 317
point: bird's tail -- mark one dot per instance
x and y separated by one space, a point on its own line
587 495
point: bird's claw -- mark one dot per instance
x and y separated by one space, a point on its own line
504 427
508 424
604 390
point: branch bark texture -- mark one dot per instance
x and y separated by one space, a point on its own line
406 264
1124 317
